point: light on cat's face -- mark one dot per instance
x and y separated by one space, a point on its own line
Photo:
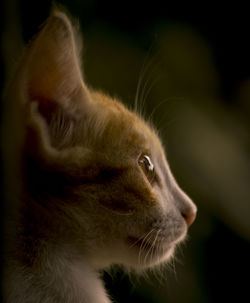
147 167
167 221
149 214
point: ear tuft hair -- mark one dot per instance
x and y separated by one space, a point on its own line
51 75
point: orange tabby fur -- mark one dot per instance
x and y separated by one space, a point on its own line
85 203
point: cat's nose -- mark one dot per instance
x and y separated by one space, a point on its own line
189 215
186 206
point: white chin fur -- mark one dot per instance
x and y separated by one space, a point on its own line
134 257
148 258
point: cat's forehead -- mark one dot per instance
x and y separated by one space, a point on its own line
123 127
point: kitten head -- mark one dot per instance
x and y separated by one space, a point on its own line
94 171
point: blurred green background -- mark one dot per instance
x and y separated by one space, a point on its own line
193 64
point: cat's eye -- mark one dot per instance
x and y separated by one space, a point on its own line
147 167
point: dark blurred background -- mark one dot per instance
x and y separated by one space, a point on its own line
194 66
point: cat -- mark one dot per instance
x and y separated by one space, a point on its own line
96 188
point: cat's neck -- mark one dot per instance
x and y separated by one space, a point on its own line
63 276
41 259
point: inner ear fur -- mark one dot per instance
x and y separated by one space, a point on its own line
53 70
50 76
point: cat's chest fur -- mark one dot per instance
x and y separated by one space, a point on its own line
65 282
95 188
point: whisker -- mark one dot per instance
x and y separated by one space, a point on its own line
154 250
142 78
150 118
144 244
144 235
168 116
148 88
150 83
143 241
159 273
137 93
174 268
151 249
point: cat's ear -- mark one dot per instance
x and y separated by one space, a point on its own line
52 68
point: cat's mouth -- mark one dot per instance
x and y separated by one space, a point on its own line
154 240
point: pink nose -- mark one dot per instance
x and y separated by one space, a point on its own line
189 217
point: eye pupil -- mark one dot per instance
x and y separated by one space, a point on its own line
147 167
